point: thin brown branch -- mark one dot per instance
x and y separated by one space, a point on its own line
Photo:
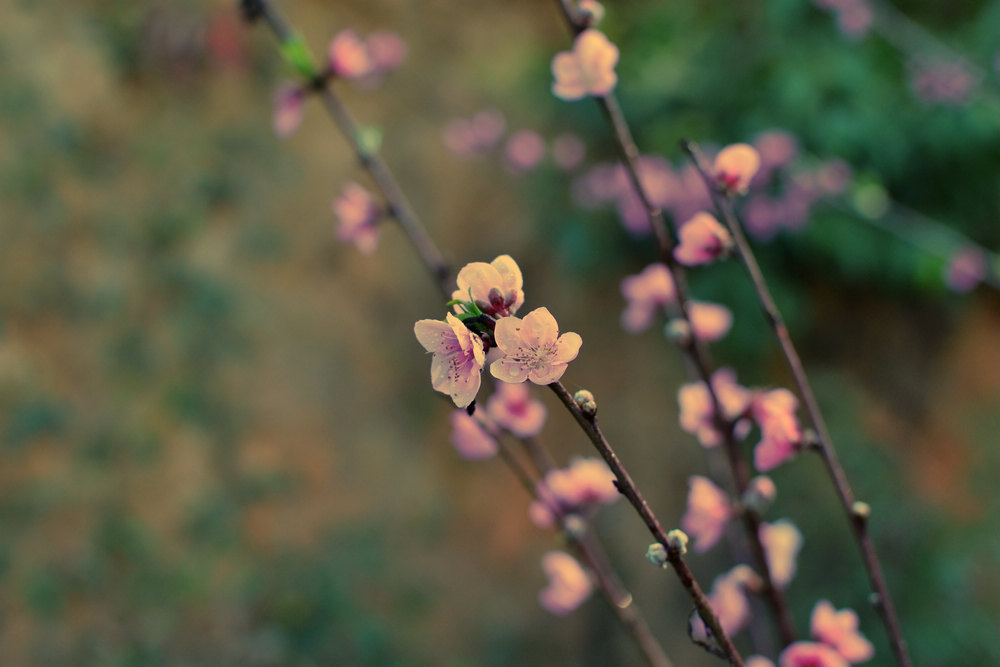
628 488
856 519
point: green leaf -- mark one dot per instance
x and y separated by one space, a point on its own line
296 53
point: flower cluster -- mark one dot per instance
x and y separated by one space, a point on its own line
652 291
577 489
569 586
484 303
837 642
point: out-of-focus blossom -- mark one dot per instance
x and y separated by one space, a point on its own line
856 19
481 132
776 148
759 494
386 50
542 514
358 217
833 177
288 107
735 166
943 82
568 586
349 57
660 185
729 600
781 541
758 661
533 349
495 287
839 629
589 69
458 357
525 149
810 654
585 483
469 438
594 8
774 412
512 407
966 269
646 293
708 510
697 412
568 151
702 240
709 321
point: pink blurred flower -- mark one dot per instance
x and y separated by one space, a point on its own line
966 269
495 287
774 412
386 50
709 321
702 240
728 599
525 149
781 541
481 132
758 661
586 482
833 177
646 293
569 586
708 510
469 438
810 654
568 151
776 148
735 166
761 216
943 82
358 215
542 514
288 107
348 55
697 413
533 349
601 184
512 407
458 357
855 19
839 629
589 69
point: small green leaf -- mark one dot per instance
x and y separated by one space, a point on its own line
369 139
296 53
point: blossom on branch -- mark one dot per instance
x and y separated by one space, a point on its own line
469 438
735 166
646 293
708 510
533 349
589 69
697 411
495 288
709 321
512 408
774 412
810 654
358 215
458 357
568 586
781 541
839 629
349 56
702 240
288 107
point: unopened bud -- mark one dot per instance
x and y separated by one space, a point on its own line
759 495
678 331
585 400
657 554
574 525
861 510
678 540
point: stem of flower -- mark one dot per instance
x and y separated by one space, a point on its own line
859 525
628 489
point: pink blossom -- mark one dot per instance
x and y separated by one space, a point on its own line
702 240
358 215
495 287
512 408
541 514
465 136
943 82
525 149
646 293
697 412
288 107
469 438
774 412
856 19
709 321
729 601
458 357
708 510
810 654
386 50
839 629
758 661
782 541
568 151
589 69
776 148
735 166
587 481
833 177
966 269
349 57
533 349
568 586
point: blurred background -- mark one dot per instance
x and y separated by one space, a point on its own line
218 443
